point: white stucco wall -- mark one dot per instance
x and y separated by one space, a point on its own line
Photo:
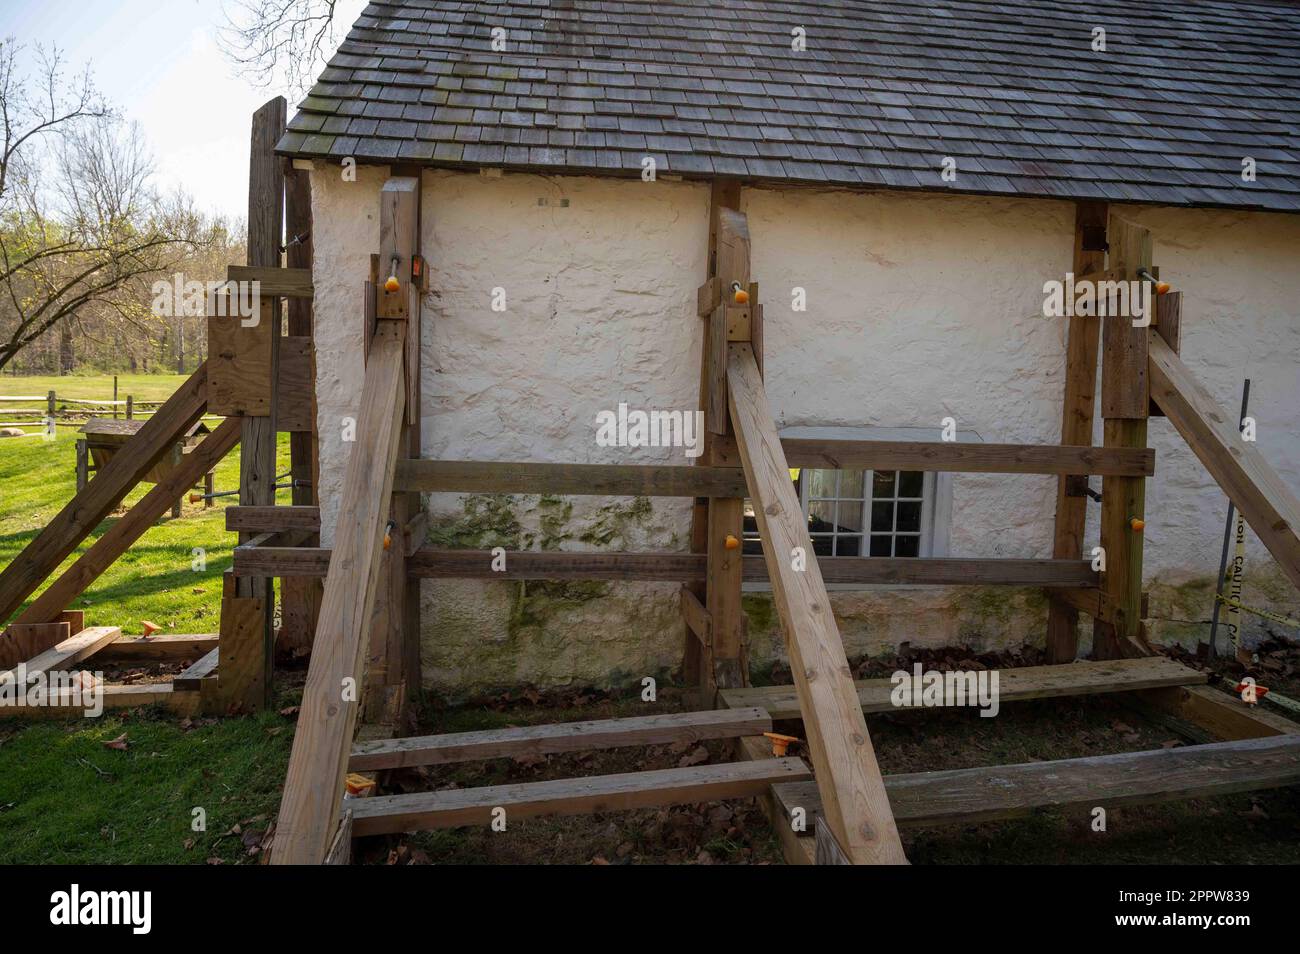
919 307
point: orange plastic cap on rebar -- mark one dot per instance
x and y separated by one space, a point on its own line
1138 524
392 285
731 542
780 743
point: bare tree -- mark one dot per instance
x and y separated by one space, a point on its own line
275 41
85 238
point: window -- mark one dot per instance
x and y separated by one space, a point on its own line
853 513
860 512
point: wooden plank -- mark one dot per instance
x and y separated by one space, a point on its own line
536 740
272 519
84 512
429 562
1221 715
1169 328
340 852
1237 466
240 365
275 282
696 616
724 567
1014 685
242 670
848 776
158 649
423 811
72 650
399 214
944 571
296 386
1124 404
724 571
969 458
492 477
828 850
998 792
62 705
1123 503
257 458
204 668
132 526
1095 602
299 598
309 809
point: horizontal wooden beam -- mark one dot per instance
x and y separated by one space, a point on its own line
998 792
428 562
1014 685
249 519
156 649
275 282
453 808
1262 496
535 740
1219 714
970 458
65 705
944 571
589 479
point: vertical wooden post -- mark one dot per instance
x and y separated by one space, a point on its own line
83 465
130 407
1076 424
698 668
726 514
300 598
1125 405
49 404
258 440
395 634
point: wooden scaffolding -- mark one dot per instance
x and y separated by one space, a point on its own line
362 624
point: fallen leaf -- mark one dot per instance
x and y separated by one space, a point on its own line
699 756
118 743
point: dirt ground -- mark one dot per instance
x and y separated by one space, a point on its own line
1251 828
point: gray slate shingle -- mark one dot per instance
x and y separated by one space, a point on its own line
1012 90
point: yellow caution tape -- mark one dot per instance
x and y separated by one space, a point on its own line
1276 617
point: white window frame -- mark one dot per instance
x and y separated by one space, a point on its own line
936 511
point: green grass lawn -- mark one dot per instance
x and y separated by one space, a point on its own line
55 805
90 387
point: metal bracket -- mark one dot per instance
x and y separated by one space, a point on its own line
1076 485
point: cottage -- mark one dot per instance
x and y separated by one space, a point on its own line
913 176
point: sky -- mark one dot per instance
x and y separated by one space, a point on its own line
159 63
